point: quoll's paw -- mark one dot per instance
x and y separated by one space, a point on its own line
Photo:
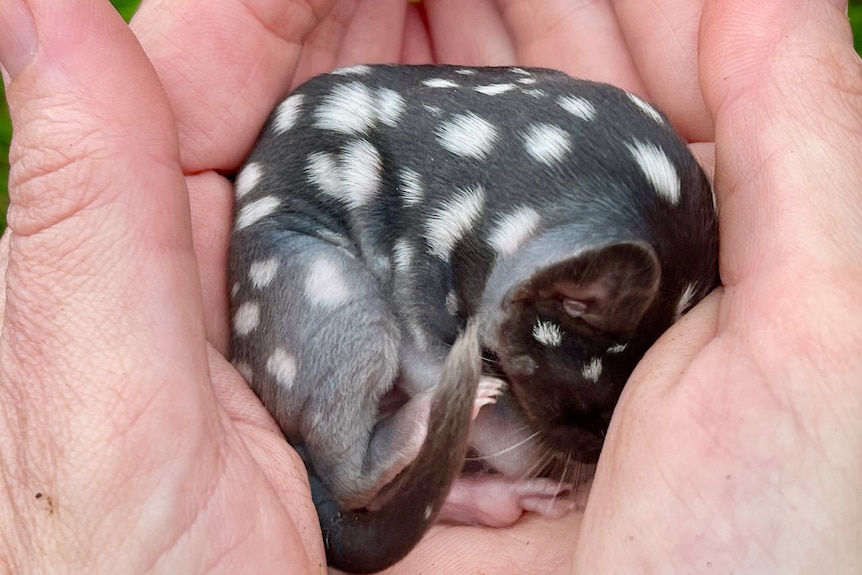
490 388
497 501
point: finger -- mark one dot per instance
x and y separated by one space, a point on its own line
211 199
101 358
662 38
784 85
469 33
416 47
77 200
581 38
354 32
106 410
646 475
224 65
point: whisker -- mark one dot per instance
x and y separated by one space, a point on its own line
542 462
507 449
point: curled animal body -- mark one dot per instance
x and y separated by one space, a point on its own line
414 242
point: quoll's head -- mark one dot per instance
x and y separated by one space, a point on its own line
569 337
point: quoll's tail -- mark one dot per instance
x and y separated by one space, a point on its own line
368 542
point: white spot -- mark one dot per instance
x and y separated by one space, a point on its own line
234 289
535 93
323 171
578 107
390 106
434 110
246 319
360 172
685 300
547 143
646 108
658 169
348 109
451 221
402 254
247 179
354 180
494 89
255 211
439 83
325 286
263 272
282 366
547 333
427 514
513 229
592 371
358 70
520 71
411 187
452 302
244 370
465 72
618 348
526 81
288 113
467 135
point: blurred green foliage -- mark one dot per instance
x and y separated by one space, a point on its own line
5 138
127 9
855 11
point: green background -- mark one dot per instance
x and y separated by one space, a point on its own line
128 7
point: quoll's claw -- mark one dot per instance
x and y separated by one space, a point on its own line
489 389
497 501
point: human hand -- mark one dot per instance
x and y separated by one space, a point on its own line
736 446
150 451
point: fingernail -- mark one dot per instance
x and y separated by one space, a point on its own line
17 36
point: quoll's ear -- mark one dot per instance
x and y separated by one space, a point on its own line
608 287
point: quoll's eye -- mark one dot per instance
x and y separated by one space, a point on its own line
581 310
574 308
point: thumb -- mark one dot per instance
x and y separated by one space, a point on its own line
102 353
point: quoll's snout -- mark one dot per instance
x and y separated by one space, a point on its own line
569 405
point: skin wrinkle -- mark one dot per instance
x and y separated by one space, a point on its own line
207 494
12 478
54 209
163 480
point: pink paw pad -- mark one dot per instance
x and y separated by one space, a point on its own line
489 389
496 501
